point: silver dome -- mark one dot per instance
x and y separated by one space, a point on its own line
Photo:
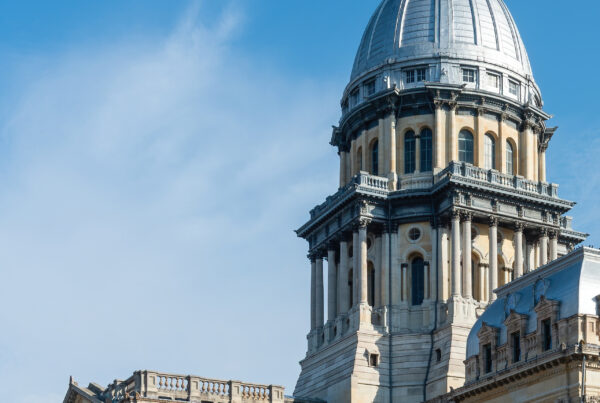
478 30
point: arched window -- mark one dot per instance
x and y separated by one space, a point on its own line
426 150
509 159
371 284
418 280
465 147
375 158
350 293
490 152
409 152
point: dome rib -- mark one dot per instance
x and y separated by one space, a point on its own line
478 30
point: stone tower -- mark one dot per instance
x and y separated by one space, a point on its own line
443 198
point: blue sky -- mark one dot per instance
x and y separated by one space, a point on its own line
155 157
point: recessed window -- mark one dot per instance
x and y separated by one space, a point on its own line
546 335
509 159
375 158
418 280
494 81
465 146
514 88
490 152
438 355
414 234
426 150
469 75
369 88
415 75
409 152
516 346
373 360
487 356
354 97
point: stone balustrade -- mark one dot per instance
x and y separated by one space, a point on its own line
188 388
491 176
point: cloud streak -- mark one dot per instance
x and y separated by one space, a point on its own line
149 193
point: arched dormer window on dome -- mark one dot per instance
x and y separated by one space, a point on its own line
426 150
465 147
410 145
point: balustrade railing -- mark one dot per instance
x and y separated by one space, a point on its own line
469 171
189 388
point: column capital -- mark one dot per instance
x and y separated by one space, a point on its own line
492 221
553 234
363 222
332 245
455 213
312 256
544 232
467 216
519 226
390 227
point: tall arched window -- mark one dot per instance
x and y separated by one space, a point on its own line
426 150
510 169
418 280
375 158
409 152
371 284
490 152
465 146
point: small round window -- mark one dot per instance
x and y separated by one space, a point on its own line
414 234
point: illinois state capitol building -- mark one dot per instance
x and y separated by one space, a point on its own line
451 269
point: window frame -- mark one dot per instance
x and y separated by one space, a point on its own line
426 152
467 152
417 277
497 83
410 153
467 72
489 151
369 88
375 157
514 85
510 162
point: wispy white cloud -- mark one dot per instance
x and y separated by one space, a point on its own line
149 194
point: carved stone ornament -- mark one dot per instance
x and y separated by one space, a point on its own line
492 221
363 222
539 289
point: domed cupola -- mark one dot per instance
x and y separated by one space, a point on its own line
470 42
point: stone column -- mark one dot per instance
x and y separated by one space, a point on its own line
343 159
385 267
396 295
313 292
438 149
483 285
355 265
452 142
518 245
404 282
456 275
530 266
320 293
526 150
434 259
343 292
466 256
544 247
393 174
542 162
331 284
442 262
553 245
362 240
493 258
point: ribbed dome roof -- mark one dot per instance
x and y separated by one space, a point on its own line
478 30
